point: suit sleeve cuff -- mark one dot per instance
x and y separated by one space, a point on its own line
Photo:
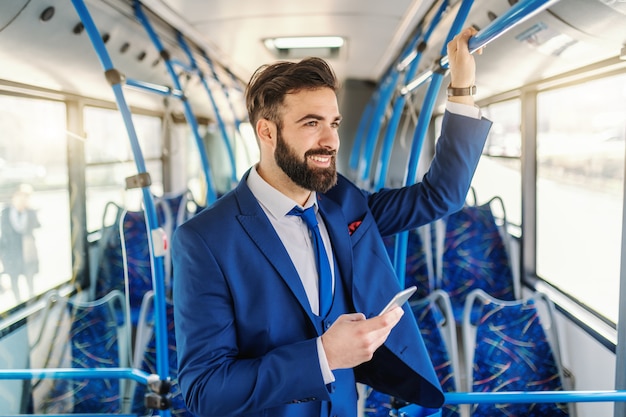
326 371
463 110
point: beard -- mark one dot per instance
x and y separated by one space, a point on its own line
314 179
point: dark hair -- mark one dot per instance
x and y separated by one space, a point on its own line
270 83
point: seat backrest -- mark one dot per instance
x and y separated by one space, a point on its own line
145 359
435 320
98 338
172 211
137 260
472 253
419 260
106 260
509 347
436 323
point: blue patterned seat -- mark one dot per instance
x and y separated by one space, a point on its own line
145 359
508 348
472 254
419 268
124 253
436 324
97 339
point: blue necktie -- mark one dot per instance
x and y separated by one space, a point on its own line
321 259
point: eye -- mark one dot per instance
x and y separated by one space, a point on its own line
312 123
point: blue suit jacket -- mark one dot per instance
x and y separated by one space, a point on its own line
244 329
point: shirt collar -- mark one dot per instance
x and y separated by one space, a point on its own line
276 203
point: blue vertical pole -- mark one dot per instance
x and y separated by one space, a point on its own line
420 130
400 101
158 269
216 110
387 88
191 119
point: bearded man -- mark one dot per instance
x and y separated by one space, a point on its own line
279 284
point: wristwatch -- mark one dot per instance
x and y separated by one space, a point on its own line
467 91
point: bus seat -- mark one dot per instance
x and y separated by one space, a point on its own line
436 323
145 359
97 339
106 258
510 346
172 210
435 319
472 253
136 259
419 260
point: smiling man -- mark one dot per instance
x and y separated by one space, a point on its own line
278 286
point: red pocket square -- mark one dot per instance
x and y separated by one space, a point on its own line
353 226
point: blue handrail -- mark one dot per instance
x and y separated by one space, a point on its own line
71 373
158 269
511 397
400 101
154 88
209 62
191 119
387 87
534 397
359 137
517 14
216 110
423 121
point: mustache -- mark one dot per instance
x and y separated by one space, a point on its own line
327 152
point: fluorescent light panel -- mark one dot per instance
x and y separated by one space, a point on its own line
303 42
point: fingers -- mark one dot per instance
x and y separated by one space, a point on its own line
460 42
352 339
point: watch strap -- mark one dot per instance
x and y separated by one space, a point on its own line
466 91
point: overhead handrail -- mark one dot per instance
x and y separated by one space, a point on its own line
216 110
189 115
517 14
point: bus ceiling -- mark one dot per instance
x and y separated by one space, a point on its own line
561 38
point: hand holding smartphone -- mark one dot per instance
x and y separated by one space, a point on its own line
399 299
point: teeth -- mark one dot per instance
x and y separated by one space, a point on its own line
320 158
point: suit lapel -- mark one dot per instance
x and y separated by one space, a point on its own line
255 223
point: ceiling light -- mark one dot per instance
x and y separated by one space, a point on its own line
304 42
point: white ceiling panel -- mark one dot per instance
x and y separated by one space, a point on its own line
234 30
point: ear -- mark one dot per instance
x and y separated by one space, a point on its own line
266 131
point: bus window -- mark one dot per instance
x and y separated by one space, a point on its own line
580 176
35 253
110 160
499 170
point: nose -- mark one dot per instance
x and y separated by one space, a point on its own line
330 138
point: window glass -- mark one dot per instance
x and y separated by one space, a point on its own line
35 248
110 160
580 154
499 169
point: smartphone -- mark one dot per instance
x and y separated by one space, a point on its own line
399 299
